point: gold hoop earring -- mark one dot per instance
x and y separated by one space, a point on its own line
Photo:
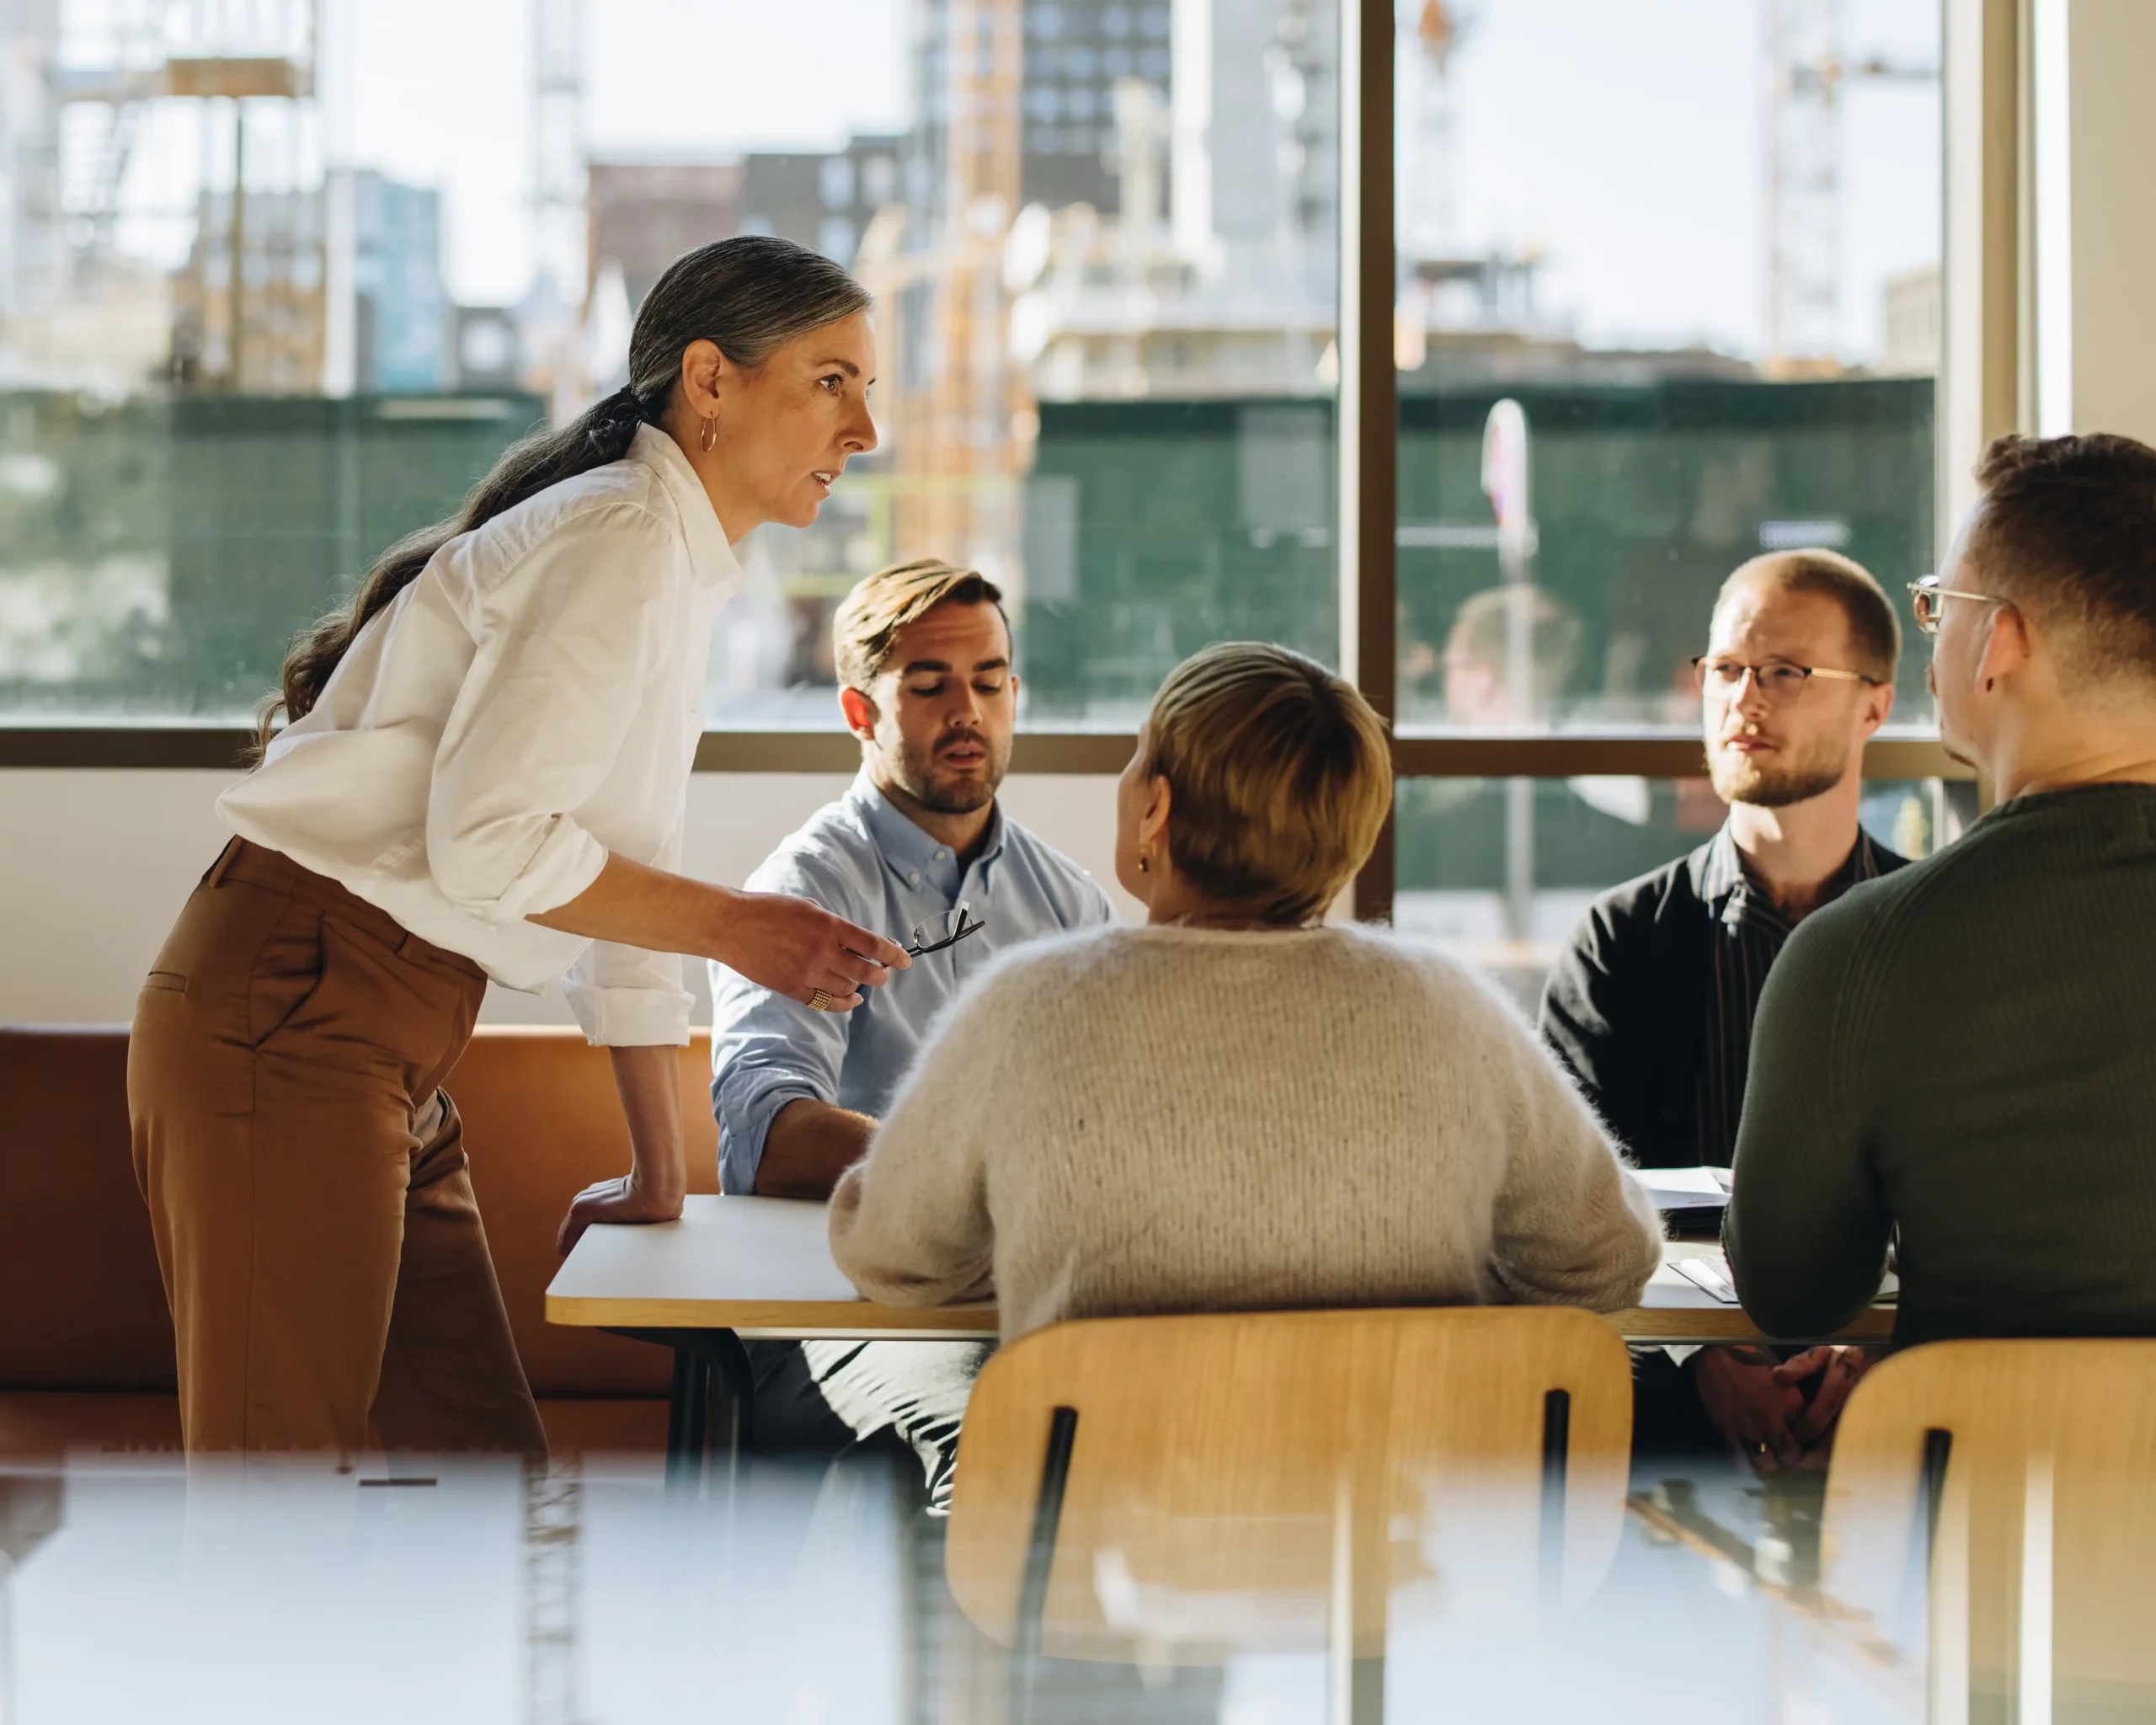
710 433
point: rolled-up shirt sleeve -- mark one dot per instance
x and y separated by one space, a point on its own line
567 637
766 1049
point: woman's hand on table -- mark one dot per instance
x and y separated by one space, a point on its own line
620 1200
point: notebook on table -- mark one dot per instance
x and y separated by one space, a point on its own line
1691 1199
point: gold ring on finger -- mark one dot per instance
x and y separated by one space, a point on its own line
819 1002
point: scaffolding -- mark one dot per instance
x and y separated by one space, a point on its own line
553 1597
1805 77
553 312
88 75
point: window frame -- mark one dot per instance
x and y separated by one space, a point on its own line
1982 390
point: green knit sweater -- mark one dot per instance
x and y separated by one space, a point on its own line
1964 1055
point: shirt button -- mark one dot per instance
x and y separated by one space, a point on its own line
914 878
940 855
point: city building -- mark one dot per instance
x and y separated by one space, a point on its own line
401 309
1914 323
822 199
1052 67
645 215
256 329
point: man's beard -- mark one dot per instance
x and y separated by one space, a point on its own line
1740 778
965 796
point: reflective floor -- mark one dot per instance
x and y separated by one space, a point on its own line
423 1590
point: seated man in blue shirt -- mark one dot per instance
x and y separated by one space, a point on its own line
923 654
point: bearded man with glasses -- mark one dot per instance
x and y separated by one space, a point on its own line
1651 1004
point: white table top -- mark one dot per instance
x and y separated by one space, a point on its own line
762 1268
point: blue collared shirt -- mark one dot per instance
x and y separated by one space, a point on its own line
863 859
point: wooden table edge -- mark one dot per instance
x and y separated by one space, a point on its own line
1683 1326
799 1320
860 1319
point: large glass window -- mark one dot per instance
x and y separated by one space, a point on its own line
1106 259
280 279
1669 298
1668 290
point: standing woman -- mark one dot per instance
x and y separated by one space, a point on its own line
483 774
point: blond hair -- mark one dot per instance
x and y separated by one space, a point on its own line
865 629
1279 777
1875 632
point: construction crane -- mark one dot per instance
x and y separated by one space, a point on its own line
1431 31
1807 75
554 309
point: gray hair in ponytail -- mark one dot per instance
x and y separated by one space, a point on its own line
749 296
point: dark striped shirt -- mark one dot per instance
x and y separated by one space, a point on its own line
1749 933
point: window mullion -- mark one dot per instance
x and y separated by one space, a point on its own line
1368 412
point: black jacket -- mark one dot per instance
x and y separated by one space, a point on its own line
1625 1009
1627 1003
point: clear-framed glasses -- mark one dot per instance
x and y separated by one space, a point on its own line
945 931
1780 682
1929 599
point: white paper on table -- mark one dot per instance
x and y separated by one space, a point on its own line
1685 1188
1712 1273
1709 1274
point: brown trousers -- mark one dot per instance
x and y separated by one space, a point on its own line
315 1224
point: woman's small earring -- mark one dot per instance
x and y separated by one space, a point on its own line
710 434
1143 865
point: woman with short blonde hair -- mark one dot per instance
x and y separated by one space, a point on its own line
1240 1105
1280 774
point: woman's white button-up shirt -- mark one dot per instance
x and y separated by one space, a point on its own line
526 707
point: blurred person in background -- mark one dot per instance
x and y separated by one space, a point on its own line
923 654
1959 1059
1651 1004
1477 658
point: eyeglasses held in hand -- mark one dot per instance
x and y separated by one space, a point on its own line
1929 599
1780 682
945 931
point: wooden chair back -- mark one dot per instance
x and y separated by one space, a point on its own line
1995 1502
1174 1488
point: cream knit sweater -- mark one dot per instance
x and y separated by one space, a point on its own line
1130 1120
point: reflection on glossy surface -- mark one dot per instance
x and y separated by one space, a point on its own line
430 1589
1179 1489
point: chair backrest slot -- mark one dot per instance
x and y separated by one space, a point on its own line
1556 1446
1048 1517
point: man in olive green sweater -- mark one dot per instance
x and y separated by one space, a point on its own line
1961 1057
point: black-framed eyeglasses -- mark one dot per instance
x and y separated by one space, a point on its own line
1780 682
945 931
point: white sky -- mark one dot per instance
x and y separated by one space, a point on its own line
1623 136
1626 137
